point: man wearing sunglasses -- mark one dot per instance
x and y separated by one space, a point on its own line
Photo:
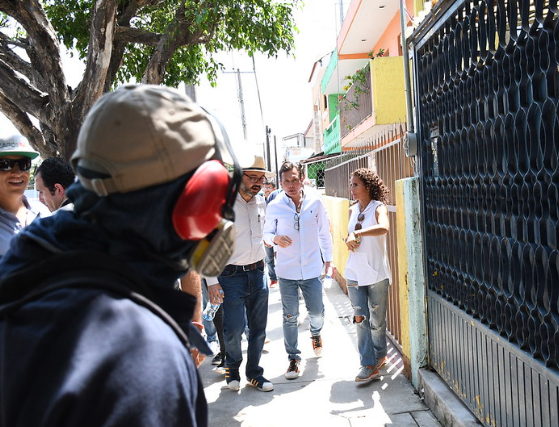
297 224
16 211
243 284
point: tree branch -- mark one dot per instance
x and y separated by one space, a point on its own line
17 63
177 34
100 50
23 124
42 47
29 98
136 35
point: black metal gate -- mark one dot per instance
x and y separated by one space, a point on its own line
486 94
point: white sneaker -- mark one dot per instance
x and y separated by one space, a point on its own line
261 384
233 379
234 385
293 370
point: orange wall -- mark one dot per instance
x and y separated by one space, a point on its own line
389 39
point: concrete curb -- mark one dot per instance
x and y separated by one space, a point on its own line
443 402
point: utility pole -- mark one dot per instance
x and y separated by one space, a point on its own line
268 158
190 91
242 104
277 168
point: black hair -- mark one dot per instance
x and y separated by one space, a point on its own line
55 170
288 166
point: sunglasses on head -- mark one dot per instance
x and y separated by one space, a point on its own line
8 164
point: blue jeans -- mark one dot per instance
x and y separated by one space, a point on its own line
312 293
209 326
244 291
271 263
370 302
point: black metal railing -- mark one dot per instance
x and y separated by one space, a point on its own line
487 85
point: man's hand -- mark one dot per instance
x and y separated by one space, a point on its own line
215 294
196 355
283 241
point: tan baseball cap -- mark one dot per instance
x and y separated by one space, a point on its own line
143 135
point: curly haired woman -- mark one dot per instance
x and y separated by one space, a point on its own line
368 270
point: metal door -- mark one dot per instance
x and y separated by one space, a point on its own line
486 87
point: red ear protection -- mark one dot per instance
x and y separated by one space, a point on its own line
198 210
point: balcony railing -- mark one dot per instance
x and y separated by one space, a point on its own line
355 106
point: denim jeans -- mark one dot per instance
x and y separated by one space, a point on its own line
209 326
270 263
244 292
370 302
312 294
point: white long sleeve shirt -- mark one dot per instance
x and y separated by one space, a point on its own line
311 244
249 224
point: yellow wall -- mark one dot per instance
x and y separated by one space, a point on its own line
389 100
402 270
338 212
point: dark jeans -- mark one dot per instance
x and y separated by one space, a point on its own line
244 291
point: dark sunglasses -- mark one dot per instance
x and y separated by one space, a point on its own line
296 224
8 164
360 219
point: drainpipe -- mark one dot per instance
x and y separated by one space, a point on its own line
410 142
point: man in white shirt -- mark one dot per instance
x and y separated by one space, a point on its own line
297 224
243 284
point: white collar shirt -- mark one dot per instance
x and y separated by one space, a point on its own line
311 244
249 224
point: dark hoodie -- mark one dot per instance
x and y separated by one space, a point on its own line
87 355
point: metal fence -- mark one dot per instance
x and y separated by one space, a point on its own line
355 106
384 154
486 75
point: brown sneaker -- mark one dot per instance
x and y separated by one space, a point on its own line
317 345
293 369
381 362
367 373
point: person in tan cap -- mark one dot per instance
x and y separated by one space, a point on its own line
16 211
242 283
92 331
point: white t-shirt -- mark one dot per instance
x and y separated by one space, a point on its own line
369 263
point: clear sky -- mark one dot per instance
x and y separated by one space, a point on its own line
284 101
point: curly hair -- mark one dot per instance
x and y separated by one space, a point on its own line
374 185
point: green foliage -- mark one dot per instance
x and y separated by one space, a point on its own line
215 25
358 81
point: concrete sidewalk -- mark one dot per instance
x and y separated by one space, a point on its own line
325 394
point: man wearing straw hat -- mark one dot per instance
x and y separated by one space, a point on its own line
243 284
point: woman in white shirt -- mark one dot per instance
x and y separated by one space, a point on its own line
368 270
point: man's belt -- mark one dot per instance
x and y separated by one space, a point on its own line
248 267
